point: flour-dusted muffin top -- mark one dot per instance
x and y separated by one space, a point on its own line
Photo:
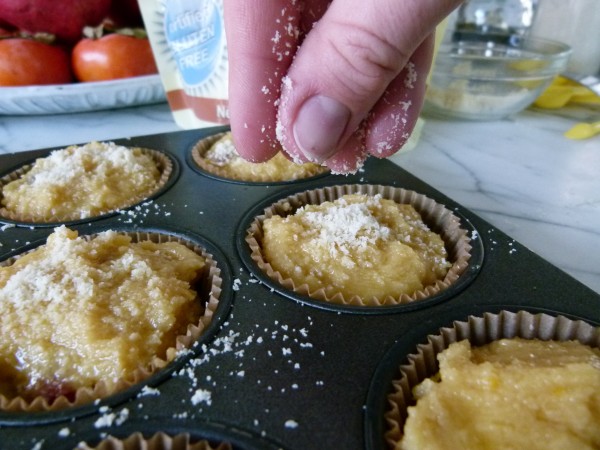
359 245
76 312
218 155
84 181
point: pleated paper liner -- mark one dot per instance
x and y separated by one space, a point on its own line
261 172
158 441
479 330
435 215
164 163
168 433
209 290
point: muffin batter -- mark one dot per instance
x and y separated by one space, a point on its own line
81 182
75 312
512 393
223 159
359 245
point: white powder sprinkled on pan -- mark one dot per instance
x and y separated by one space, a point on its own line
290 423
110 418
147 391
202 396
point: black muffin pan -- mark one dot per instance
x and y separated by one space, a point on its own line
275 370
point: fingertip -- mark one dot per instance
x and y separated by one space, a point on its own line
395 115
350 157
254 144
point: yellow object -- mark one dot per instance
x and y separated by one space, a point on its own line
512 393
583 130
563 91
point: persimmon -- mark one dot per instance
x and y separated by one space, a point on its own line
111 57
25 61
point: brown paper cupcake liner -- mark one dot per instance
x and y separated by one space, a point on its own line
159 441
209 292
436 216
204 145
163 163
479 331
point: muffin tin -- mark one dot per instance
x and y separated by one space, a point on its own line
273 369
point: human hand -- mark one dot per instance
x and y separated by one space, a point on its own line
329 81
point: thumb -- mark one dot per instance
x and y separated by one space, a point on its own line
344 66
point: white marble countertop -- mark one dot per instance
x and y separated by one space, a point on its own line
520 174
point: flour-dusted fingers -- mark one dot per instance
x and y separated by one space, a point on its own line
393 118
345 65
261 40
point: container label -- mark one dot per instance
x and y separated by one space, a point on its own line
194 37
189 45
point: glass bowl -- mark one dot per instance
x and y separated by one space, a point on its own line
489 77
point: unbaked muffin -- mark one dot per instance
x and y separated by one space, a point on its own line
507 380
81 182
355 246
217 155
89 316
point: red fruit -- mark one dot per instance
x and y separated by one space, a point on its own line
112 56
63 18
26 61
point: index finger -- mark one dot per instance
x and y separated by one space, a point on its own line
262 38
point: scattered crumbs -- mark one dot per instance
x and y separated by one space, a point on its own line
201 395
286 351
147 390
109 418
38 445
290 423
64 432
236 284
474 234
241 373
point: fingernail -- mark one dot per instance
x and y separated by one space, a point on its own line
319 127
